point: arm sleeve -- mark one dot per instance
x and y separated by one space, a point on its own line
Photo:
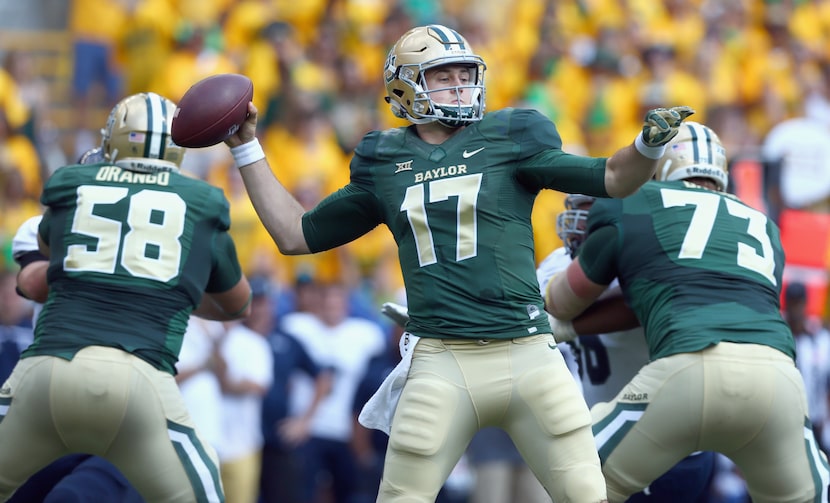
542 164
226 271
598 255
340 218
572 174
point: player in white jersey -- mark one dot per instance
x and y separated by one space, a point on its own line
611 351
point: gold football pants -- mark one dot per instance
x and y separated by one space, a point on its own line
456 387
745 401
112 404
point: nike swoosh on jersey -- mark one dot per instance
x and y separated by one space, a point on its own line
467 155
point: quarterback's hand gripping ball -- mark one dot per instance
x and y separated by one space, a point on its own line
212 110
660 124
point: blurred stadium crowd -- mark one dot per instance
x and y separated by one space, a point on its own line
592 66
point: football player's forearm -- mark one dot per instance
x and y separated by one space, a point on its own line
279 211
31 281
232 304
635 164
604 316
626 171
570 293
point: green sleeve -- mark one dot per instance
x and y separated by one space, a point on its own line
43 226
353 210
544 165
226 271
605 212
598 255
340 218
568 173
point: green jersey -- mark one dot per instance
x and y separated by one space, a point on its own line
696 266
130 257
460 215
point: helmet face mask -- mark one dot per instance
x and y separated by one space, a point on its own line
92 156
696 152
137 134
424 48
572 224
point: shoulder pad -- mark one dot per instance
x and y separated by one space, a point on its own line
381 144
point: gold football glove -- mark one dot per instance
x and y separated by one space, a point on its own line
660 124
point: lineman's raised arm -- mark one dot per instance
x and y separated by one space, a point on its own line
277 208
634 165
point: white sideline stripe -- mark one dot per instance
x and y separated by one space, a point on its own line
615 425
198 463
4 409
823 473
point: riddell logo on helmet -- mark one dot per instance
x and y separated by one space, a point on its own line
702 171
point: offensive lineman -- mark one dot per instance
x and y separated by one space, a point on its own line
610 351
81 477
456 189
134 248
702 272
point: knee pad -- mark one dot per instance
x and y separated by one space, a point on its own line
423 417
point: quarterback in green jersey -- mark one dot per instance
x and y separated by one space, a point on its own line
135 247
702 272
456 189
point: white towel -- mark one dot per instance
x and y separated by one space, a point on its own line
379 410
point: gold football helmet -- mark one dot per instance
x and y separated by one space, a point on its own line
137 135
696 152
418 50
571 224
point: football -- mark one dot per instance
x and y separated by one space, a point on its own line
212 110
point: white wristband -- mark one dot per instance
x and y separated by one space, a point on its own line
247 153
650 152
